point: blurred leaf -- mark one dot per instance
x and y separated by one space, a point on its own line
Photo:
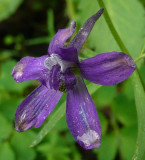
6 153
50 22
5 128
9 39
20 143
75 153
142 72
139 93
6 80
69 138
8 107
62 125
108 148
4 96
124 15
56 148
104 95
5 55
128 89
92 88
124 110
127 142
8 7
103 122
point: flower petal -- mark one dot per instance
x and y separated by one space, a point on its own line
29 68
82 118
68 54
35 108
55 77
59 39
107 68
84 32
69 80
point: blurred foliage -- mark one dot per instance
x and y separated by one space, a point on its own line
26 28
8 7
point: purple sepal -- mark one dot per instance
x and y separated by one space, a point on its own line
35 108
29 68
82 117
85 30
68 54
61 36
55 77
69 79
107 68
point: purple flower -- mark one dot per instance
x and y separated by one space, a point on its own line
61 71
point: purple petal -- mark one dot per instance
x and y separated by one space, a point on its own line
59 39
82 117
68 54
29 68
69 79
55 77
85 30
35 108
107 68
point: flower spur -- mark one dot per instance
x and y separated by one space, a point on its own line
56 72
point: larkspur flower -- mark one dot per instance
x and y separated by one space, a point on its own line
57 74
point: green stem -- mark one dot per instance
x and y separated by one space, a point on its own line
70 9
138 86
39 40
143 48
140 107
140 57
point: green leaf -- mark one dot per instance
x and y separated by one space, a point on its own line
5 129
140 107
92 88
128 89
20 143
127 142
124 19
124 110
104 95
58 142
62 125
142 71
108 148
8 7
5 55
6 78
8 107
103 122
6 153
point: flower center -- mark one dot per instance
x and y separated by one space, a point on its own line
55 59
62 87
60 76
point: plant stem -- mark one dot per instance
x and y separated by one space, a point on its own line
143 48
70 9
39 40
140 57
